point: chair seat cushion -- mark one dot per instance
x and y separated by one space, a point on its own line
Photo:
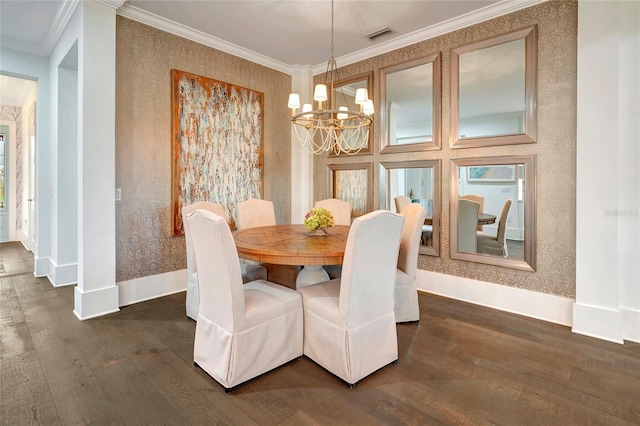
323 299
488 244
262 298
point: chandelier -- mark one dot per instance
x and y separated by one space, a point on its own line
337 130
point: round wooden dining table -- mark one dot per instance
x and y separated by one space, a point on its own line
292 245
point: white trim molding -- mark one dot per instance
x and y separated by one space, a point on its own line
95 303
146 288
631 325
62 275
63 15
597 321
40 266
529 303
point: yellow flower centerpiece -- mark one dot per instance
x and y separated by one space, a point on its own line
317 220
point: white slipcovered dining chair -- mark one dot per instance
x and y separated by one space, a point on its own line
406 303
478 199
242 330
249 272
349 322
467 225
497 245
255 212
341 210
401 201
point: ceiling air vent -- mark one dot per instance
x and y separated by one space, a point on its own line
376 34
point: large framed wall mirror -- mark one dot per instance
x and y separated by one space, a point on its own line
415 182
493 91
344 94
352 183
492 211
410 99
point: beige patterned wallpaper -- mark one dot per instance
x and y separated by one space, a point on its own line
144 58
555 149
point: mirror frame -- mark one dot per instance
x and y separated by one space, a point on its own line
331 179
531 66
436 129
529 261
368 77
385 204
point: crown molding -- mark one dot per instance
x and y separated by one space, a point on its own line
63 15
112 3
489 12
486 13
183 31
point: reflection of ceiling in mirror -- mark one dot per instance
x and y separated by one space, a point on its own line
411 90
492 80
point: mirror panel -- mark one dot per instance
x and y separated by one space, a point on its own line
492 211
410 106
420 181
344 94
493 91
352 183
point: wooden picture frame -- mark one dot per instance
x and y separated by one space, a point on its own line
353 183
218 144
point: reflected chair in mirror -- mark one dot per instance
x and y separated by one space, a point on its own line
406 303
349 322
467 225
242 330
255 212
341 210
497 245
478 199
401 201
249 272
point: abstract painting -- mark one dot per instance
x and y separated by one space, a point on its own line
218 145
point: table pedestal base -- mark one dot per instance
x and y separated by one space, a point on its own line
311 274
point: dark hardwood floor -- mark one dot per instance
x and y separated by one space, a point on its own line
461 364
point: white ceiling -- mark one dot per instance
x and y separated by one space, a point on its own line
280 34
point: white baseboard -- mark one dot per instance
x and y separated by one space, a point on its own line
631 325
532 304
62 275
95 303
146 288
597 321
40 266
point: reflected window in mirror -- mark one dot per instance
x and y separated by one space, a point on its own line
492 211
410 100
493 91
414 182
344 95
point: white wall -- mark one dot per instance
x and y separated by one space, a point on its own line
26 156
607 255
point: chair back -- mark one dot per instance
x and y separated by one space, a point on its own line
478 199
369 268
341 210
219 275
255 212
502 224
467 225
414 216
186 210
401 201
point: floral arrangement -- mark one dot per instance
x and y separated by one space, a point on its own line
318 218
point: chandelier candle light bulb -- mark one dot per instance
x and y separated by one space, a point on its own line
337 130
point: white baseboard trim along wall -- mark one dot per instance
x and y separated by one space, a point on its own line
146 288
541 306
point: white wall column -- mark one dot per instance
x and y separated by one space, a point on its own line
301 160
97 292
607 286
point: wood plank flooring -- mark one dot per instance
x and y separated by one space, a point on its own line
461 364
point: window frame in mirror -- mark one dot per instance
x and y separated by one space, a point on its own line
368 77
386 204
530 86
436 126
528 263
